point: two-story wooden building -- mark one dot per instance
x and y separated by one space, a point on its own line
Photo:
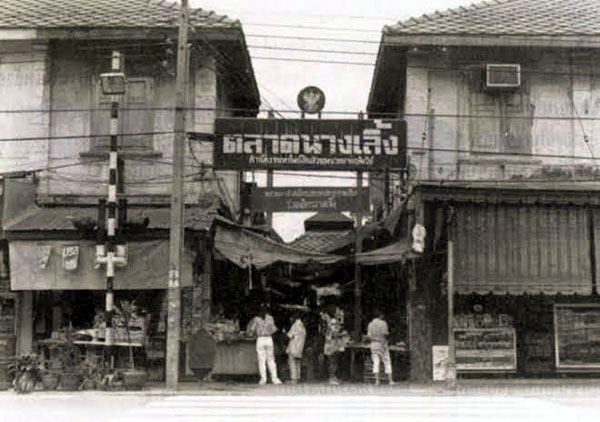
54 131
502 101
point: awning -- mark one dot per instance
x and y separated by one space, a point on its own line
517 249
71 265
398 251
243 247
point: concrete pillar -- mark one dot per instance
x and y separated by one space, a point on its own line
25 332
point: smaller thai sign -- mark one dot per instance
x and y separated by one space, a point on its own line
577 336
289 199
309 144
486 349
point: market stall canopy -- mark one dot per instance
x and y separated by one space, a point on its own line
399 251
243 247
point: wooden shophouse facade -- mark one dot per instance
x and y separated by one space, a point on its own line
501 102
56 124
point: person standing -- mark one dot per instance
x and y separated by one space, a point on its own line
297 336
378 333
335 343
263 327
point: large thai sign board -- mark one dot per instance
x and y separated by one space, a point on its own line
291 199
486 349
309 144
577 336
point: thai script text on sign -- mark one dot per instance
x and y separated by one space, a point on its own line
309 144
308 199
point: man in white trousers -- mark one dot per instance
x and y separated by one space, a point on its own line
263 327
378 333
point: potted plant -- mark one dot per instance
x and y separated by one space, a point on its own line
96 375
125 315
66 358
50 373
26 370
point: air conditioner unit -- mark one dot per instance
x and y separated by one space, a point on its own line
502 76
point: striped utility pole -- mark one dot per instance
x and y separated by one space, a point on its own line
111 258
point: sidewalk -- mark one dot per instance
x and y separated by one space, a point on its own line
514 387
517 387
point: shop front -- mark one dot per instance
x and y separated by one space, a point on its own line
525 279
62 291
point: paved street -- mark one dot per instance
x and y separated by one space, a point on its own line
284 403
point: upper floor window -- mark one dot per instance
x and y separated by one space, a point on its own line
499 121
136 116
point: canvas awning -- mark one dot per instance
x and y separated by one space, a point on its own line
243 247
398 251
71 265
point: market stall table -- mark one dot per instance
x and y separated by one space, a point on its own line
361 347
236 357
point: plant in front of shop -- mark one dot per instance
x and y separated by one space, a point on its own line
127 318
51 372
26 370
68 361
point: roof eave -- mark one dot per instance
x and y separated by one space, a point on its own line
376 72
492 40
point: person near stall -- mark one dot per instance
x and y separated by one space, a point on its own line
297 336
336 339
378 332
263 327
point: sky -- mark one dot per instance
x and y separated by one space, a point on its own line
353 29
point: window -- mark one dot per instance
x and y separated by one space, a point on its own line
136 117
500 121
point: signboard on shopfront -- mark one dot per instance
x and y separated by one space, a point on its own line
486 349
577 336
295 199
309 144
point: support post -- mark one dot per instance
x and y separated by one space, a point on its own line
357 250
177 207
269 185
451 371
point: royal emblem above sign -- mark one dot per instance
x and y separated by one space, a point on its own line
311 100
303 144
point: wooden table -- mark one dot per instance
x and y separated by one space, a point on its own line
236 357
359 347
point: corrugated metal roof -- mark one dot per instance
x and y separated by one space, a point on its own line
510 17
103 13
61 218
317 241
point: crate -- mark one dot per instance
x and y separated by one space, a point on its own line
137 332
368 375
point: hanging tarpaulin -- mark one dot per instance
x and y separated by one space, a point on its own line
43 255
238 244
398 251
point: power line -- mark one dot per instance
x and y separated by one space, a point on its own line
312 50
391 115
289 59
323 28
75 137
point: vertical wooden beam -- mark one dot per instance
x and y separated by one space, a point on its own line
592 238
357 250
269 185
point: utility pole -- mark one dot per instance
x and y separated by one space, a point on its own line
114 84
177 206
